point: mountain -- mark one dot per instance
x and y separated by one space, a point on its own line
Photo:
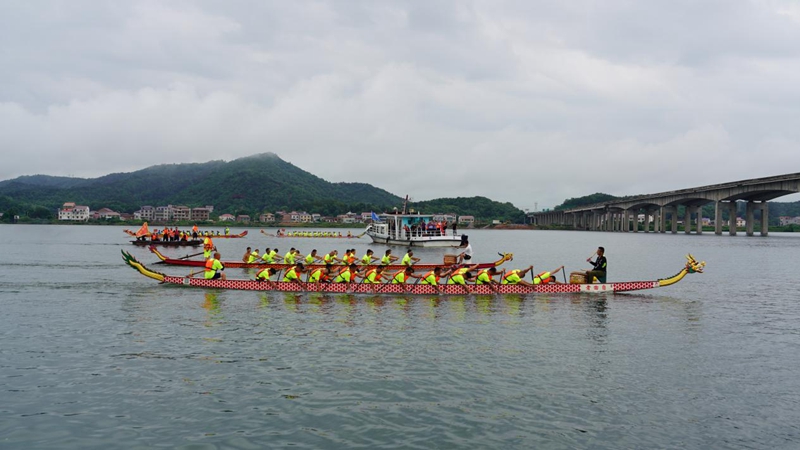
249 185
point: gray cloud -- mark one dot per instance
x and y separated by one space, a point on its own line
520 101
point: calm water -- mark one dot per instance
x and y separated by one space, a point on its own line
93 355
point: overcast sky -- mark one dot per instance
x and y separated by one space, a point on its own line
530 102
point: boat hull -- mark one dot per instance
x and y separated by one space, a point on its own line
169 243
420 241
410 289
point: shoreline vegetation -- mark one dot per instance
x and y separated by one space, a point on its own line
209 224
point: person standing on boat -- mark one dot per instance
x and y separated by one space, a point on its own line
388 258
515 277
214 268
599 269
227 231
466 255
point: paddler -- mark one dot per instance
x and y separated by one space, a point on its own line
388 258
409 259
214 268
321 274
547 277
461 275
485 276
293 274
253 257
208 247
330 258
265 274
368 258
311 257
433 276
402 276
347 275
288 258
246 255
515 277
373 276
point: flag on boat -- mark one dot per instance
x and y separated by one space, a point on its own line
375 217
143 231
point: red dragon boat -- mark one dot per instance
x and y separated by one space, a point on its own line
692 266
243 265
294 234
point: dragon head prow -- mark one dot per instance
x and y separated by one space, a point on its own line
692 265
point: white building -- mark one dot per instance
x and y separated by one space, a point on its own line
73 212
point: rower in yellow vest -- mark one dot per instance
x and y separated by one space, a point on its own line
293 274
515 277
373 276
253 257
461 275
546 277
409 259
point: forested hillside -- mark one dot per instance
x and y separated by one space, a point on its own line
250 185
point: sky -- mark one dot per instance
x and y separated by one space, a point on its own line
529 102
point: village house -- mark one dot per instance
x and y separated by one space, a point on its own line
466 220
227 218
243 218
71 211
106 214
202 214
266 218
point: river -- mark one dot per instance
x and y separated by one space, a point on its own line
95 356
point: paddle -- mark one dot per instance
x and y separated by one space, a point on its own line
564 273
190 256
192 274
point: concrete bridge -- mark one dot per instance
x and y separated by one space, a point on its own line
622 215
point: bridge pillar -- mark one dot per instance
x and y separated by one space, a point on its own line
609 222
626 219
764 218
732 218
662 214
673 219
718 218
749 217
657 220
699 212
687 219
646 220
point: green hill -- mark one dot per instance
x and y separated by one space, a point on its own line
249 185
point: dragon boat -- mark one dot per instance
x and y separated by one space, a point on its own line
302 234
243 265
189 243
200 235
692 266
